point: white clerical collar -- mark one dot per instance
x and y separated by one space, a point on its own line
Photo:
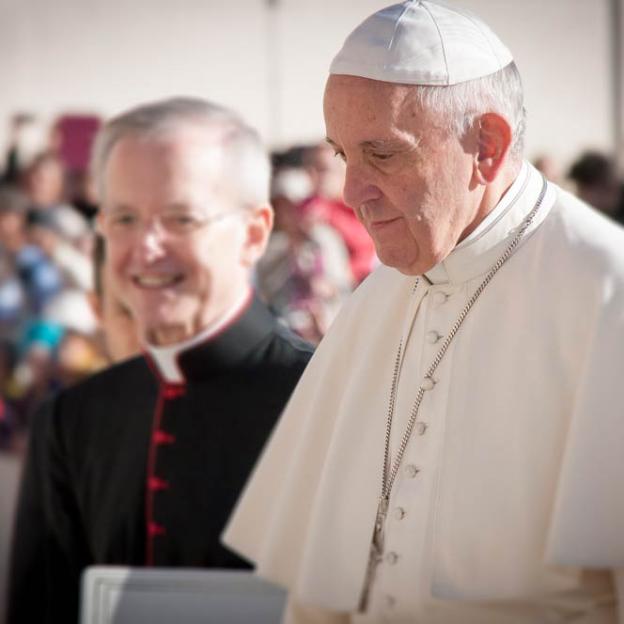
166 358
479 250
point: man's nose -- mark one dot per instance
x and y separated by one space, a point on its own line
152 241
358 187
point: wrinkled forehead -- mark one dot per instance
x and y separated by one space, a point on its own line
357 106
372 96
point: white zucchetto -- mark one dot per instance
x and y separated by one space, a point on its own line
421 42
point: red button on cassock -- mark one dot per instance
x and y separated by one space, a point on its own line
162 437
173 391
154 483
155 529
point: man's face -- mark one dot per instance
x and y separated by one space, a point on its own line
180 245
408 179
45 183
11 228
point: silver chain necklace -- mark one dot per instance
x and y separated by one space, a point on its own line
390 472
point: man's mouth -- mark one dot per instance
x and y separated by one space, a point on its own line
382 223
157 281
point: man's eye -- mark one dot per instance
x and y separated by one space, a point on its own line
184 219
340 155
381 156
181 222
123 220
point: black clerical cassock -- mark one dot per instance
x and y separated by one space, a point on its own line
129 469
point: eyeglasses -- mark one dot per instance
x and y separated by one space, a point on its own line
121 224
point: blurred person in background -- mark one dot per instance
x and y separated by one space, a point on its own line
549 166
8 414
327 176
29 283
35 374
43 182
304 274
81 191
45 231
28 279
119 329
142 463
17 125
13 298
10 460
598 184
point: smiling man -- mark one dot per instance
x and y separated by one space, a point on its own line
452 455
141 464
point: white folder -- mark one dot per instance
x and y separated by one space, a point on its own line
122 595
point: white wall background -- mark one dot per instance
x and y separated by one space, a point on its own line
105 55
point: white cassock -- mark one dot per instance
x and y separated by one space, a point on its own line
509 505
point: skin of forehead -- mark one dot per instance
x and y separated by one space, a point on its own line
382 103
172 144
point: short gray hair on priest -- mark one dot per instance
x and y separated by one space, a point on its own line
245 160
459 105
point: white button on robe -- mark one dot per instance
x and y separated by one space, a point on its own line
439 298
433 336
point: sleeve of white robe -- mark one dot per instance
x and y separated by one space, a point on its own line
587 528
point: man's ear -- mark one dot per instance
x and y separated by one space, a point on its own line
259 225
494 141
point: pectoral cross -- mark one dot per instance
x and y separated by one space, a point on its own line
376 550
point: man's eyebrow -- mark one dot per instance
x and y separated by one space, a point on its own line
118 208
387 144
179 206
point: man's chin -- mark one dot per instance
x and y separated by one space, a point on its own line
167 334
164 328
404 265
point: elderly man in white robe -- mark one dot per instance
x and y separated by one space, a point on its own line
453 453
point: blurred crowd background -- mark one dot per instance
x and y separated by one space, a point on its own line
56 308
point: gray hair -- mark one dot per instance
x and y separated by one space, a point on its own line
460 104
245 160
